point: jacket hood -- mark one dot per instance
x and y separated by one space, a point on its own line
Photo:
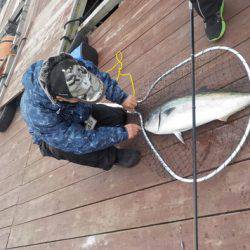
46 68
31 83
36 79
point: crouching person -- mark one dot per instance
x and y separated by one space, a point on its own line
59 107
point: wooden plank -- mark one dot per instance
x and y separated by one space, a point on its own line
141 208
142 34
34 154
144 69
224 232
9 199
6 217
122 27
24 25
55 180
233 40
17 151
113 183
15 127
98 14
41 167
14 154
9 168
18 139
4 236
41 6
10 183
45 34
179 41
165 52
125 10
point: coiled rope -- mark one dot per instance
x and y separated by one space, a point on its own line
119 64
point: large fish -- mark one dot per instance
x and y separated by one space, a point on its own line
175 116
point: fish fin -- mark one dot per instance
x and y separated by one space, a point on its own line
168 111
223 119
179 136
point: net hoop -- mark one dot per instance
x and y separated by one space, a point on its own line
238 147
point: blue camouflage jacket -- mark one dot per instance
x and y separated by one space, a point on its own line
58 124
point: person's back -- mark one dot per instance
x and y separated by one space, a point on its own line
58 105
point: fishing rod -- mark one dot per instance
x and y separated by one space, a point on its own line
194 150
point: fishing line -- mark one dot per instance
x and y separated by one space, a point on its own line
194 150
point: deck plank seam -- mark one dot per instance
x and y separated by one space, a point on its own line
139 227
117 196
49 172
62 187
16 205
113 197
147 30
126 46
12 136
7 208
181 51
4 179
1 228
19 172
236 45
111 27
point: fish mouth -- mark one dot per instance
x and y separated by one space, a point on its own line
152 123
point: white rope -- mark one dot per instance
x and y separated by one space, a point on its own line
238 147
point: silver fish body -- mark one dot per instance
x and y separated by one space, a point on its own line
175 116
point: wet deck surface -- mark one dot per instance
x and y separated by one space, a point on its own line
49 204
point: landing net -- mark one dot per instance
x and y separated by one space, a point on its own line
217 68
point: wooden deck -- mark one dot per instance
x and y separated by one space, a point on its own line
49 204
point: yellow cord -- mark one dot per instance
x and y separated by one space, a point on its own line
119 58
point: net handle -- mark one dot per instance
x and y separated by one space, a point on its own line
238 147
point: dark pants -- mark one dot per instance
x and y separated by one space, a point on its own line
206 8
105 159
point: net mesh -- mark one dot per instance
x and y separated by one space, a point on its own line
215 70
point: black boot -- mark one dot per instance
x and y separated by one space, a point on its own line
215 25
127 157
